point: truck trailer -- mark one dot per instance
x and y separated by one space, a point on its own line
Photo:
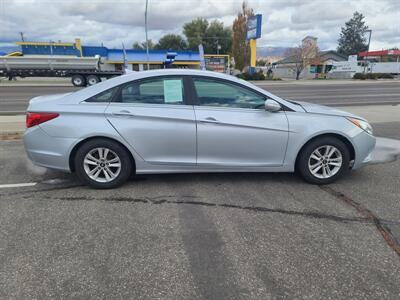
82 70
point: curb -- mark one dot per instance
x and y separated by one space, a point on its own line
12 113
11 135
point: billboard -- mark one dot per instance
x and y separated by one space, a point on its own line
217 63
254 27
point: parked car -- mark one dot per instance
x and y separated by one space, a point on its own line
184 121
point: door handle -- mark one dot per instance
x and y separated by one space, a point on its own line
210 120
123 113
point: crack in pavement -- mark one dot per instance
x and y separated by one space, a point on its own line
380 224
169 200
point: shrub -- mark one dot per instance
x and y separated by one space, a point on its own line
255 76
374 76
385 76
360 76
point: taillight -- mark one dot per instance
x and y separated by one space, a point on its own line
36 118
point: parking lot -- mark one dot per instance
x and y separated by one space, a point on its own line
208 236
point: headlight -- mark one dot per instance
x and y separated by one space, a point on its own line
362 124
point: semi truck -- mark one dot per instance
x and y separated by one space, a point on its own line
341 68
83 71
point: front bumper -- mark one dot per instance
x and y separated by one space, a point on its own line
364 145
47 151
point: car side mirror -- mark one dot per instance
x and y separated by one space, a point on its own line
272 105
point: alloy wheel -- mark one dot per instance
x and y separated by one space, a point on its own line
325 162
102 165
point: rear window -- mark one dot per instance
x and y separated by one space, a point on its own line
105 96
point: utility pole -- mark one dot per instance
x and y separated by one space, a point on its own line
147 39
369 39
22 36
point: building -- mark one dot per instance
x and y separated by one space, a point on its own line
113 59
392 55
318 63
136 60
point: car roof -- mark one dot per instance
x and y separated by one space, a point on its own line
163 72
132 75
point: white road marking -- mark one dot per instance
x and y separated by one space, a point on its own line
15 185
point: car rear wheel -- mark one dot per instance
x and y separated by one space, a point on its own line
323 160
103 164
92 80
78 80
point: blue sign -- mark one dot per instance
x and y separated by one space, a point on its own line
254 27
170 58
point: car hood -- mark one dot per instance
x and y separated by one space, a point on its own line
324 110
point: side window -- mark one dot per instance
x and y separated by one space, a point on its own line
168 90
212 92
105 96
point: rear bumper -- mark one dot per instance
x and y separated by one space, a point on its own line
364 145
47 151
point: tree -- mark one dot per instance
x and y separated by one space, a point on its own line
212 35
142 45
218 36
302 56
171 42
195 32
240 45
353 36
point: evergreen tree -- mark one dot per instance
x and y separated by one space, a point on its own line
353 38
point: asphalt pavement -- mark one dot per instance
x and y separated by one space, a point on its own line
200 236
15 97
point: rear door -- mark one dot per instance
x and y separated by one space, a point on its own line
233 128
153 115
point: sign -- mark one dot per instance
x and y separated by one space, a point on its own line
254 27
170 58
201 53
217 63
173 91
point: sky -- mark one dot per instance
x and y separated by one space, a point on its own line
285 22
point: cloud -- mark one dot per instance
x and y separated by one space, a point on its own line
111 22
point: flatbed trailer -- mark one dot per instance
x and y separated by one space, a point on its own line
82 71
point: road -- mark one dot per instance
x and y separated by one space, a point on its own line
200 236
15 98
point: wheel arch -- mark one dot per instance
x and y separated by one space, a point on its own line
78 145
340 137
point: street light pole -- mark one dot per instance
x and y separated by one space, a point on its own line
147 39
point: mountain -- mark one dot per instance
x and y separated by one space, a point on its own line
271 51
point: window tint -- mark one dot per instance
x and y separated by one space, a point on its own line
105 96
223 94
154 91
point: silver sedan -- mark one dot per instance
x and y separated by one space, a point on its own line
176 121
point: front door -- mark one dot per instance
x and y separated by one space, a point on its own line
152 115
233 128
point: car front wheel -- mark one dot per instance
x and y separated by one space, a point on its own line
323 160
103 164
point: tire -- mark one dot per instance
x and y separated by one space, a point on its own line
92 80
323 169
78 80
109 168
